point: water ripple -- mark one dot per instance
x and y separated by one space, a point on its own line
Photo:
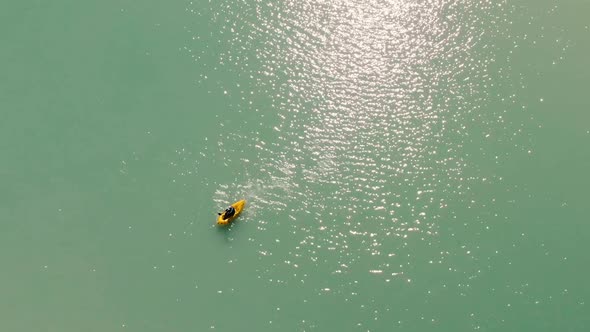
374 104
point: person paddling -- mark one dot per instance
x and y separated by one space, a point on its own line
228 213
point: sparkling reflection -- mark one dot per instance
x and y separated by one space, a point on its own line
373 103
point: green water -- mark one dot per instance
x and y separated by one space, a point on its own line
408 165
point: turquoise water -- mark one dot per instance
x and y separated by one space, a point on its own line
408 165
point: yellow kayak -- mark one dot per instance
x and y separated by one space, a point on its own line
238 206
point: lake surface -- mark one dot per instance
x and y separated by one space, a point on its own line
408 165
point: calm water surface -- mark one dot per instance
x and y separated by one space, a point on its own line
408 165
